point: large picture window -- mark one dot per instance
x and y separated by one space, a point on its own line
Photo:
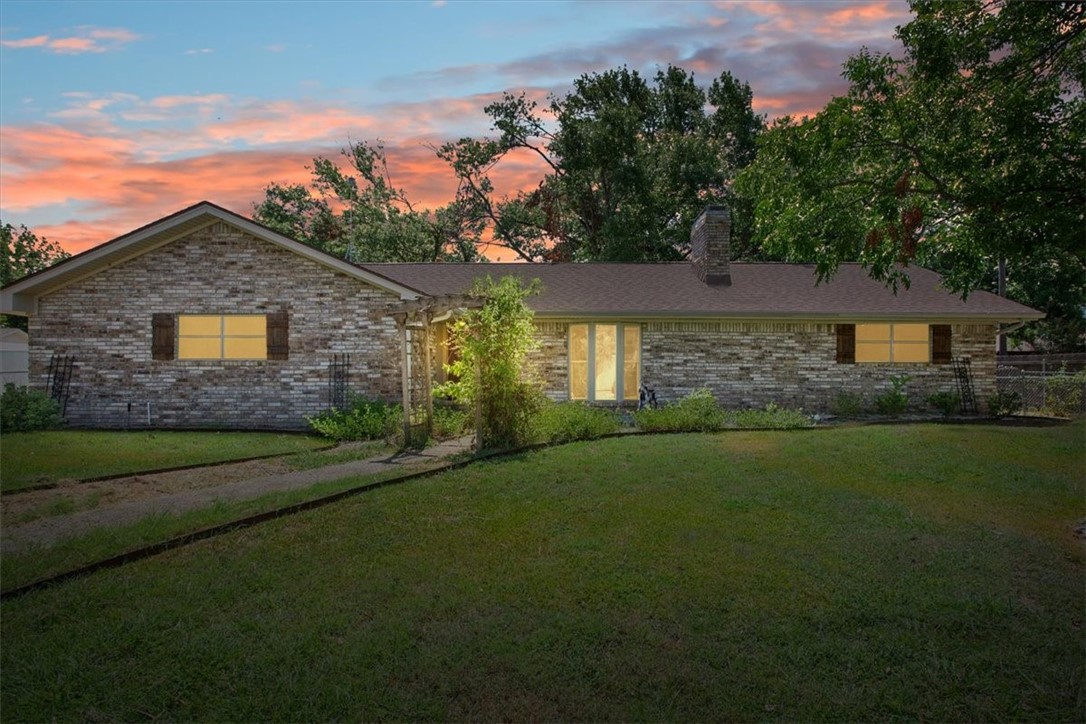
222 336
604 362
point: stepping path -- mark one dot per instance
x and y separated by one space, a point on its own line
51 530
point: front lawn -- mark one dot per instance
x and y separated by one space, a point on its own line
921 572
35 458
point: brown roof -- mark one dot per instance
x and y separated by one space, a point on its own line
672 290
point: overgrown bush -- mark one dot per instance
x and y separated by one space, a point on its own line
894 401
945 402
493 343
772 417
847 404
567 421
698 412
362 420
1002 404
1064 393
24 410
449 422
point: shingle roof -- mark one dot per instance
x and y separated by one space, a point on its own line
673 290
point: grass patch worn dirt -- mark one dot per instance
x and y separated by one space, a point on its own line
921 572
29 459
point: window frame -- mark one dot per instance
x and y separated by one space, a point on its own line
590 365
892 342
223 337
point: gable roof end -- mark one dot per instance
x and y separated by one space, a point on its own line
19 296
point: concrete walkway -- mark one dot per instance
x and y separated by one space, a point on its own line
48 531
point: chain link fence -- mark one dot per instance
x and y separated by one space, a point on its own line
1049 391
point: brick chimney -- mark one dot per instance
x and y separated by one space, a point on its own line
710 246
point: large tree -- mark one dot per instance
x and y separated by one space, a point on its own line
966 150
23 252
629 164
361 216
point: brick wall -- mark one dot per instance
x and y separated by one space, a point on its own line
104 321
749 364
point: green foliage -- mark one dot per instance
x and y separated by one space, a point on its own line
22 252
772 417
848 404
568 421
967 149
378 223
493 343
1064 393
894 401
700 412
697 412
1002 404
449 422
631 164
25 410
362 420
945 402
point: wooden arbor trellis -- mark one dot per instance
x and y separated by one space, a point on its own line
414 321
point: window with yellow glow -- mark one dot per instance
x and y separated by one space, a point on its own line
604 362
893 343
222 336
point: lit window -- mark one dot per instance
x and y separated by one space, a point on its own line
892 343
604 361
222 336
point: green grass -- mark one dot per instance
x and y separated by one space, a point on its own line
34 458
874 573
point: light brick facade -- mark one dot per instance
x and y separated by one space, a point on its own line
104 322
750 364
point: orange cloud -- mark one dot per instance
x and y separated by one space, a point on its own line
120 193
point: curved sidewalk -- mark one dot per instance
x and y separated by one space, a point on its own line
48 531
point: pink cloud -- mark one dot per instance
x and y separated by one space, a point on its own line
89 40
36 42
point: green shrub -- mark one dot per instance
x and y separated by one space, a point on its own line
1064 393
24 410
698 412
494 342
772 417
569 421
894 401
945 402
847 404
363 420
449 422
1002 404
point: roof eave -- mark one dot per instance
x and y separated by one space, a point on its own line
961 318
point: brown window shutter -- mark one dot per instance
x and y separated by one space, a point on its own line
278 335
162 336
846 343
940 343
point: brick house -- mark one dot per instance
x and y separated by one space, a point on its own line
207 319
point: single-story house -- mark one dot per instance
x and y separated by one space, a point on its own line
207 319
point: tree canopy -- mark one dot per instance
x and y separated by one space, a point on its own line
23 252
629 164
967 150
361 216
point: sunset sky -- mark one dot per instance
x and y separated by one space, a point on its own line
113 114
